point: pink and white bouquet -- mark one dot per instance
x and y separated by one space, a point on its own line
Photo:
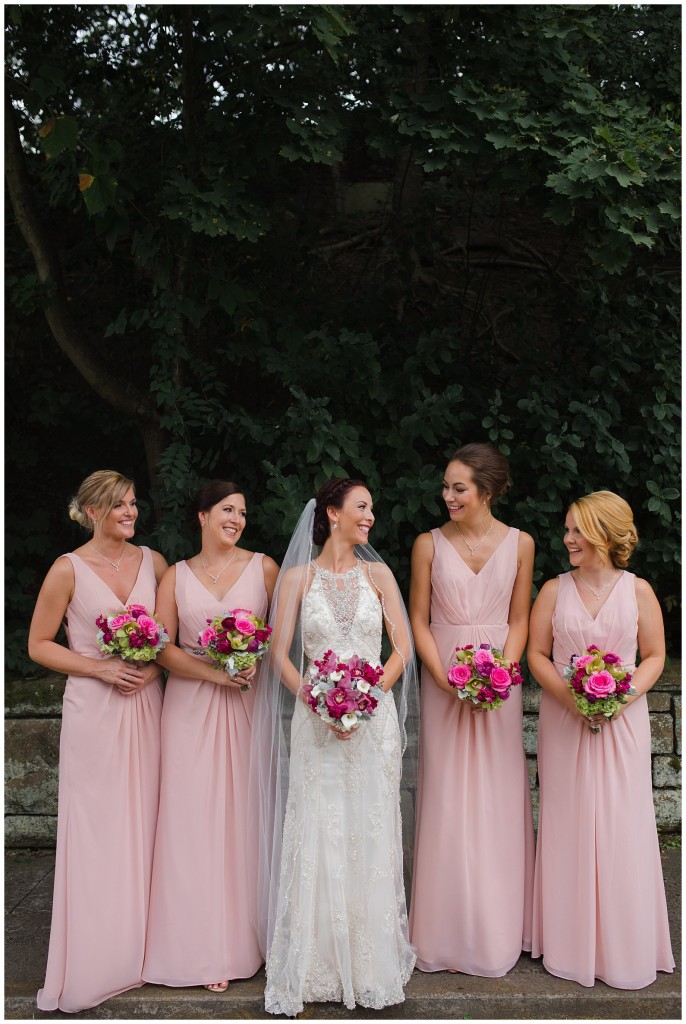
235 641
483 676
598 681
341 692
132 634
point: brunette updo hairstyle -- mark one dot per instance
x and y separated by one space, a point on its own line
331 494
101 490
490 469
209 495
607 522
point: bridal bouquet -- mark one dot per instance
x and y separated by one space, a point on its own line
133 634
235 641
483 676
599 683
341 692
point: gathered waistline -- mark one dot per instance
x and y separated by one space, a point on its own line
471 625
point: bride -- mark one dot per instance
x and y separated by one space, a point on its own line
333 918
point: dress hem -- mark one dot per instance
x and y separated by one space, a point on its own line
86 1006
213 977
624 986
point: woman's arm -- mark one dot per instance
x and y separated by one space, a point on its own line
520 602
172 657
383 582
51 607
290 598
540 647
420 610
651 643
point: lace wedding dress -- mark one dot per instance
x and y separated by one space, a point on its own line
341 919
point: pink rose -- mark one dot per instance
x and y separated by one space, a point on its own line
484 662
137 609
583 660
207 637
147 625
117 621
600 684
500 679
244 626
459 675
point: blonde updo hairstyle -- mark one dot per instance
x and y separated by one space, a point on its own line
607 522
101 490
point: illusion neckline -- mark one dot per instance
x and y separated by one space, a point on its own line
337 575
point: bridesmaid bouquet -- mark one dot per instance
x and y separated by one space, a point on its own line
340 692
598 681
483 677
235 641
133 634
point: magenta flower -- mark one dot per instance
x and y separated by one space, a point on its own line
245 626
600 684
137 609
340 701
207 637
117 621
459 675
483 662
253 645
500 680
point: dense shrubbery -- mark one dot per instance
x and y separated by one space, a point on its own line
224 298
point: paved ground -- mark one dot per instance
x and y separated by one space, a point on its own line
527 992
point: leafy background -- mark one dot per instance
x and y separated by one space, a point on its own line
277 244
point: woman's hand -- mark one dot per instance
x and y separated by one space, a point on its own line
341 734
150 673
121 674
247 674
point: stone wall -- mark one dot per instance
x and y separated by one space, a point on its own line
32 733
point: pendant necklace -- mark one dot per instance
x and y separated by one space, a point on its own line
473 548
211 575
597 593
115 565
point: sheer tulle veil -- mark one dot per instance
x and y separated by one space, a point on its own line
274 703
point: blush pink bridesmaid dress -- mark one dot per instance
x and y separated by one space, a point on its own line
474 849
202 908
108 796
599 898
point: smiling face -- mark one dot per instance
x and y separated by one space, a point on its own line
462 497
224 522
120 522
355 517
582 554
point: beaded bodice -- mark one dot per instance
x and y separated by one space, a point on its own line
342 613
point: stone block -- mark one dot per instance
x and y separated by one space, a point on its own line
670 680
667 809
667 772
532 768
677 723
534 806
531 698
35 698
659 701
34 831
530 733
662 733
31 759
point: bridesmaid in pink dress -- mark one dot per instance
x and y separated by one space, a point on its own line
474 847
599 898
109 754
201 928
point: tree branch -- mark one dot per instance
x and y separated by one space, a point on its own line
116 392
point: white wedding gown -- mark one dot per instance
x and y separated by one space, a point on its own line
341 919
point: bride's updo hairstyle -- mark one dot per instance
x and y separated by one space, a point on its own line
330 495
101 490
490 469
209 495
607 522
